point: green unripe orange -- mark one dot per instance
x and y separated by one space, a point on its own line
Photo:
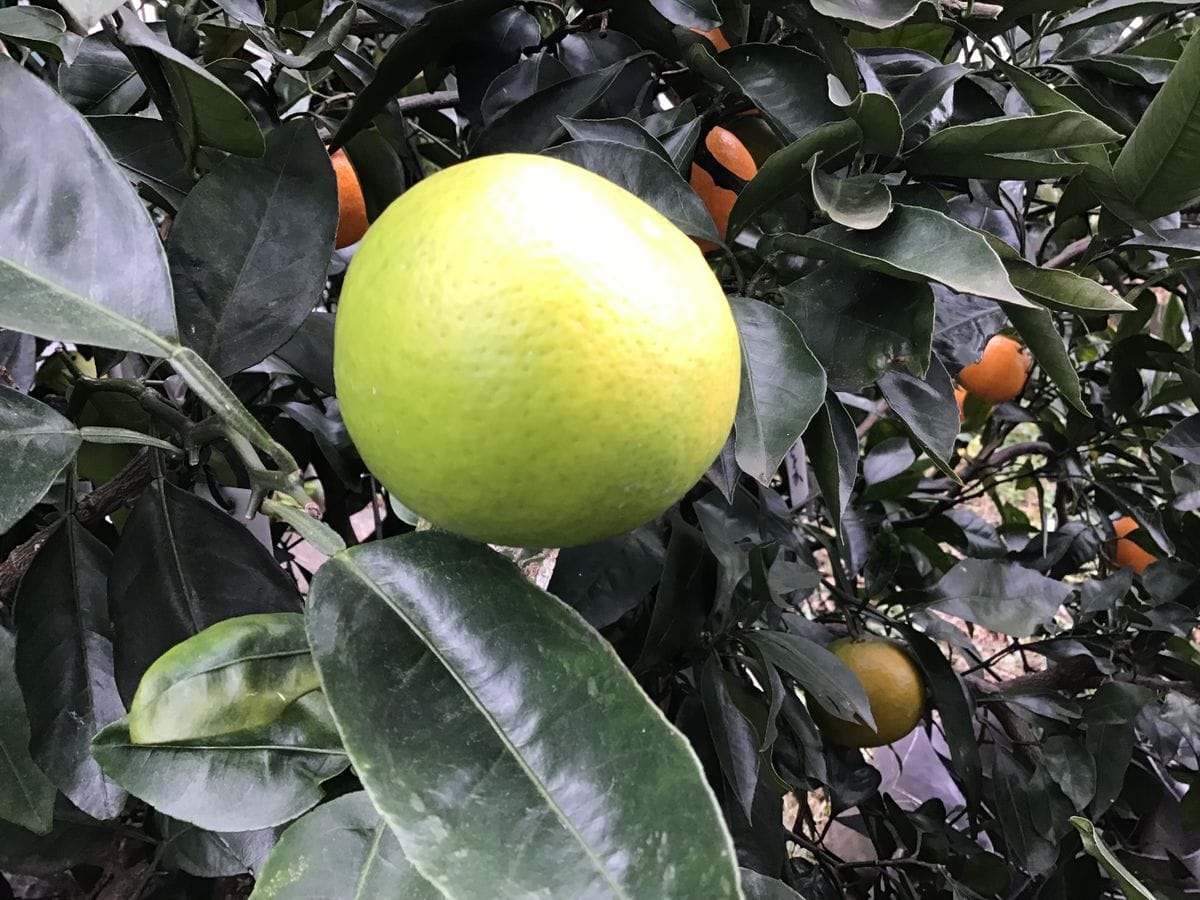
529 355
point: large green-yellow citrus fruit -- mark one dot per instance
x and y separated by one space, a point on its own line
895 690
528 355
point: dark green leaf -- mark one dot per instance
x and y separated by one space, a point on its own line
1156 170
684 596
203 111
182 565
533 124
680 143
379 168
887 459
238 674
49 263
1172 241
1000 595
1016 808
859 322
519 82
446 616
618 131
35 444
237 782
250 248
1183 440
214 854
1095 846
604 581
690 13
786 84
1064 290
926 407
310 350
783 386
1105 11
956 709
871 13
146 151
101 79
732 735
39 29
780 176
861 202
832 446
65 667
1071 767
644 174
756 886
341 843
876 114
901 247
1037 329
1111 745
26 794
318 47
818 673
88 13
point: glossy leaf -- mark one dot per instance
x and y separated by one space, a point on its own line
146 151
785 83
783 386
691 13
901 248
1036 327
604 581
238 674
926 407
832 445
1156 169
26 794
39 29
56 275
644 174
1095 846
876 114
1061 289
732 735
780 176
164 589
341 843
35 444
250 248
203 111
236 782
100 80
459 748
1183 440
619 131
756 886
818 673
214 854
858 322
999 595
318 47
64 664
861 202
872 13
1018 804
88 13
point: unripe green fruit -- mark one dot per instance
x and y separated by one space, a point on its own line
528 355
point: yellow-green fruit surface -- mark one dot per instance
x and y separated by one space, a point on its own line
529 355
894 687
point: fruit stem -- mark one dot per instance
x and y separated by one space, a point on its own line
317 533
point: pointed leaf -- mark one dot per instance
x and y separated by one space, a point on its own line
214 854
861 202
689 13
146 151
785 83
26 794
1061 289
644 174
65 667
39 29
479 649
732 735
619 131
858 322
183 564
340 843
35 444
1000 595
1037 329
250 248
818 672
236 782
926 407
1095 846
783 386
917 244
1157 168
871 13
832 445
756 886
238 674
57 278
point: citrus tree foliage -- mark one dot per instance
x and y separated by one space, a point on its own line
416 717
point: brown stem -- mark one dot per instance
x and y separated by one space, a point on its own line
1068 254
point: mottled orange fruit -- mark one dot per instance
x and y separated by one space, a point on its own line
735 160
1000 374
714 37
1127 553
895 691
352 208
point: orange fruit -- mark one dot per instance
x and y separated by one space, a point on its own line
895 690
1000 374
1126 552
735 160
352 208
960 397
714 37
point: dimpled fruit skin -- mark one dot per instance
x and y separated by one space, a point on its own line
528 355
894 688
1001 372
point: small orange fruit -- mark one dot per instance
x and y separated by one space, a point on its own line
960 397
714 37
1126 552
895 690
1000 374
352 208
736 163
